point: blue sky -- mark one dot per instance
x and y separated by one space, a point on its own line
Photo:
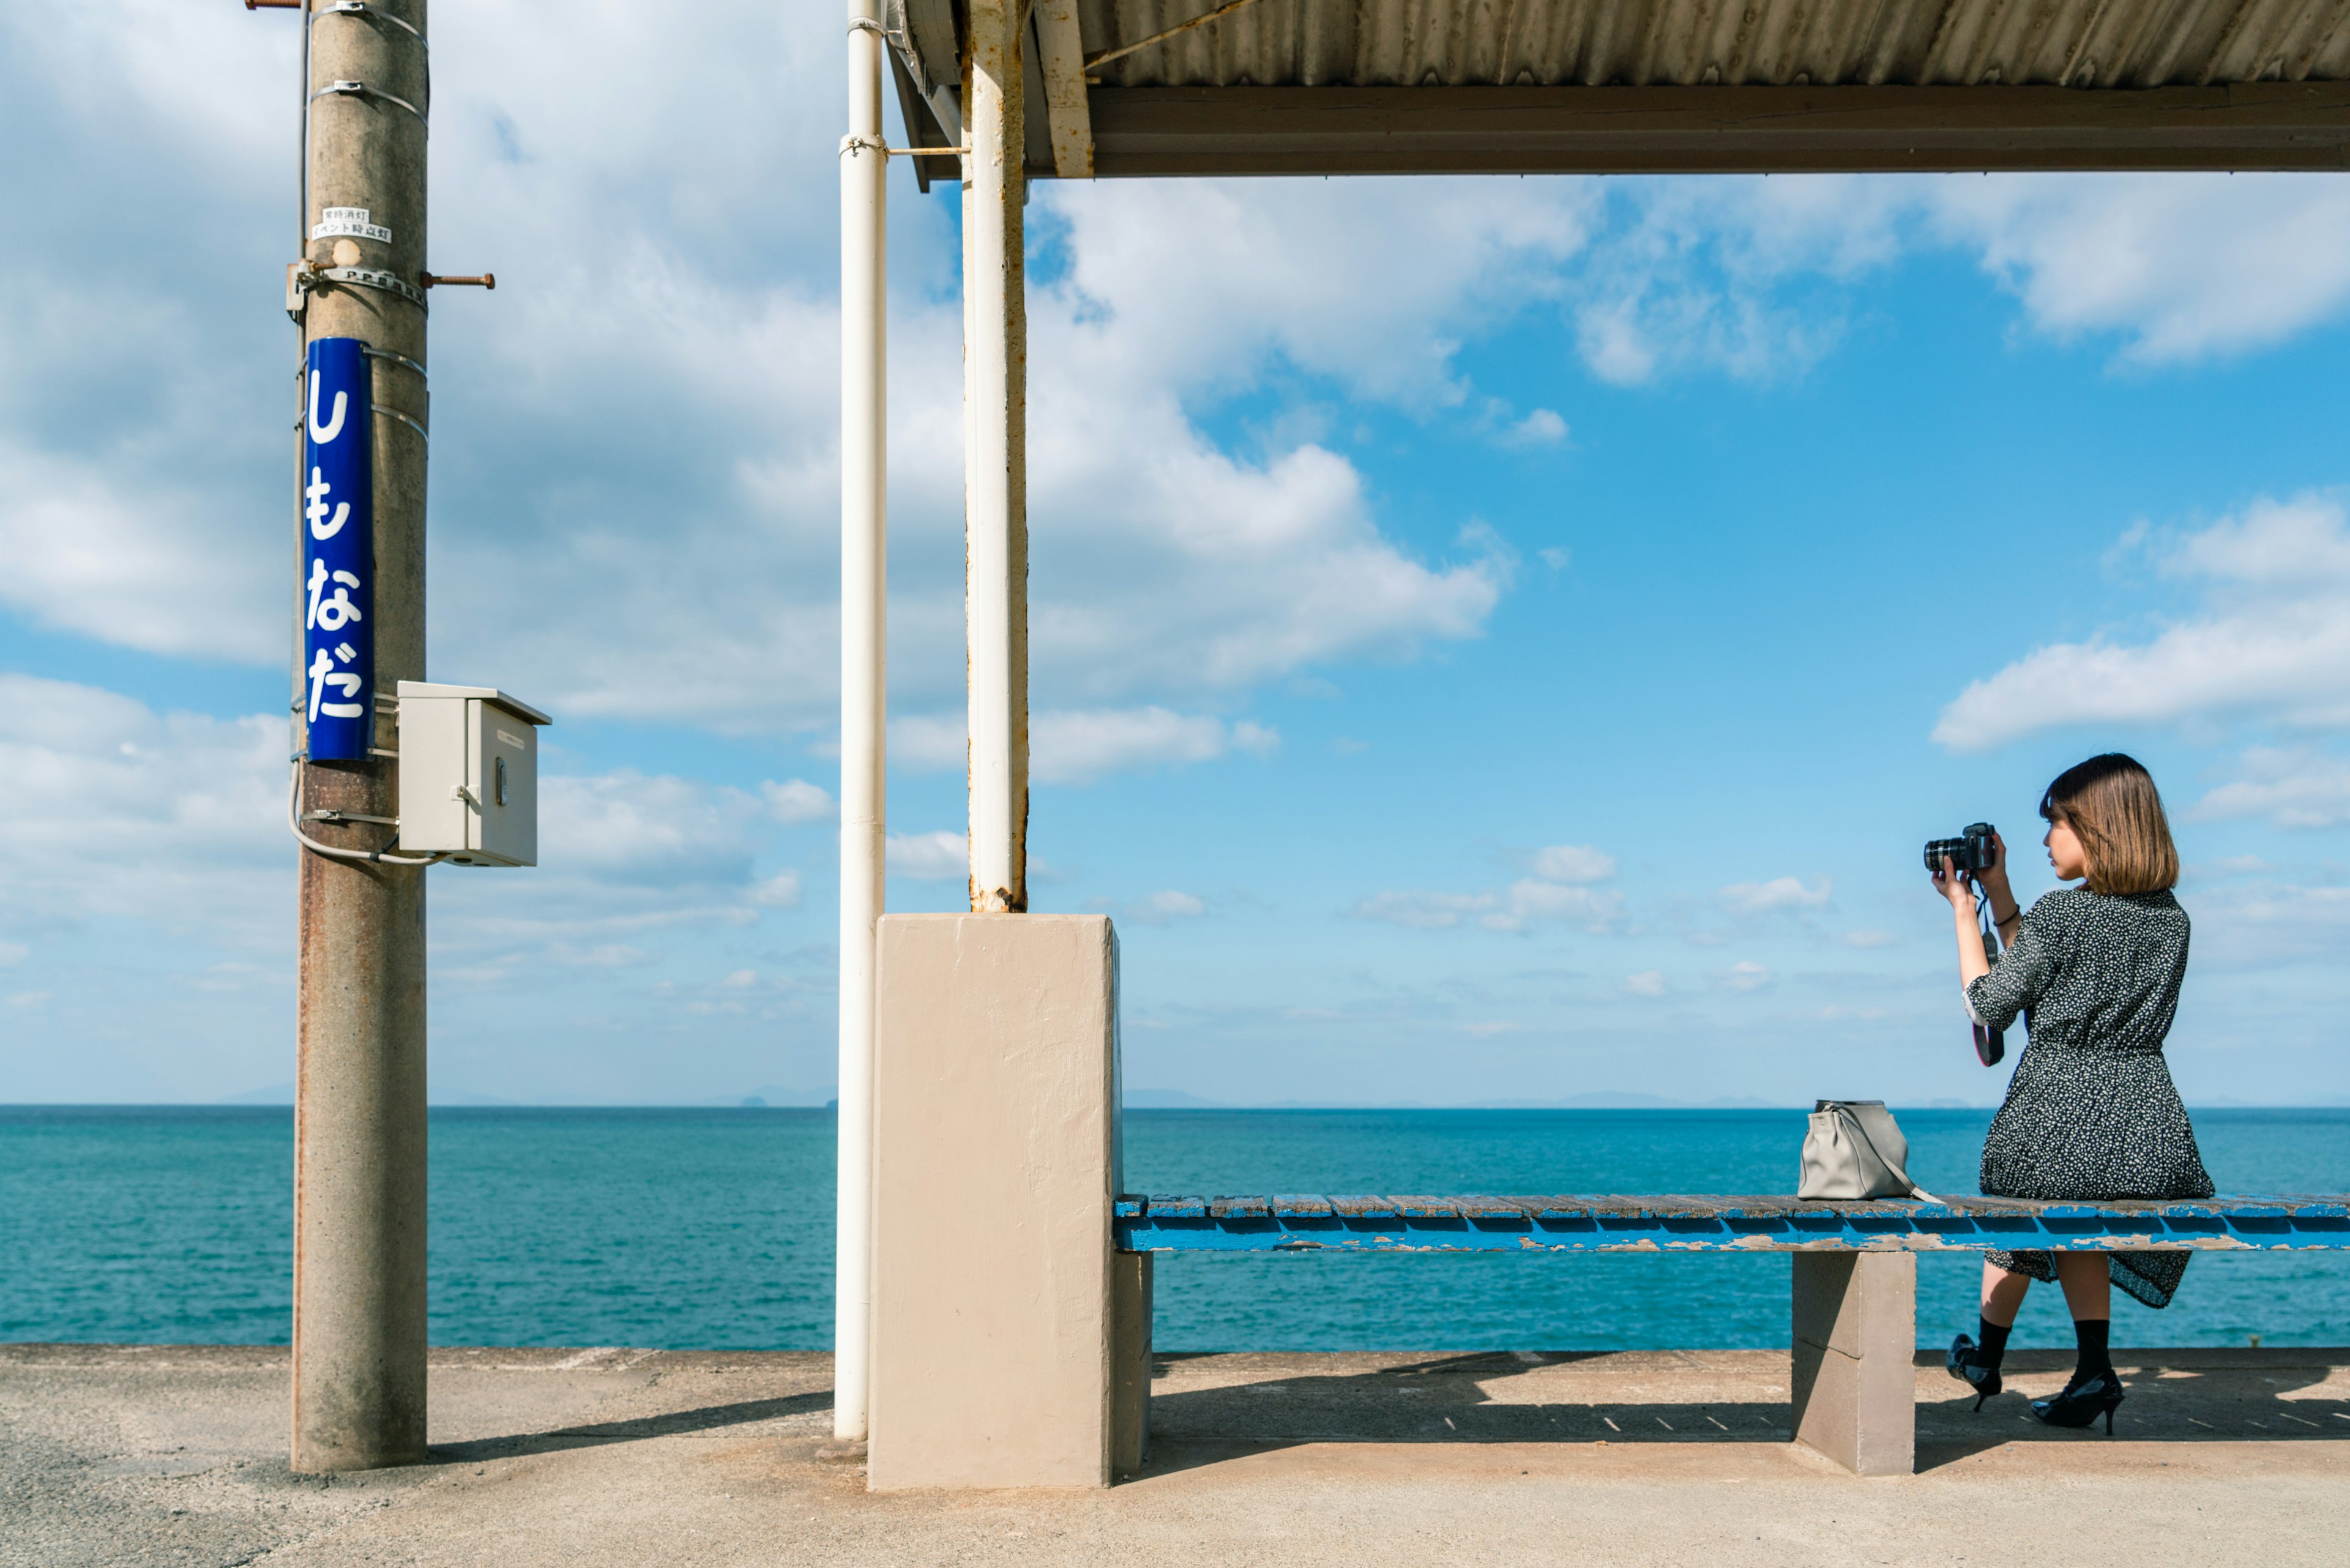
1494 640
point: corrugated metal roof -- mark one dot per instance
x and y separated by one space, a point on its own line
2121 44
1322 87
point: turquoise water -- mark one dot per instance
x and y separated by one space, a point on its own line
712 1229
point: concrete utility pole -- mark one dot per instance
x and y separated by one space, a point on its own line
864 558
995 461
358 1118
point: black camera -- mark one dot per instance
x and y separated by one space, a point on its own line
1973 853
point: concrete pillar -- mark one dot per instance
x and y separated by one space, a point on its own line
995 1343
1854 1380
995 457
359 1116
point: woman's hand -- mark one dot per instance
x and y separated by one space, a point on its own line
1953 887
1993 876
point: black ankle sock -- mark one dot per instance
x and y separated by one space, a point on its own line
2090 1333
1992 1343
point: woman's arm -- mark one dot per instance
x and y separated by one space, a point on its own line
1995 995
1974 961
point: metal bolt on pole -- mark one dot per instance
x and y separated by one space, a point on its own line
358 1118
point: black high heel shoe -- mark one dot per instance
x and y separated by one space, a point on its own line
1960 1363
2082 1403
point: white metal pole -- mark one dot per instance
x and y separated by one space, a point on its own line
863 584
995 355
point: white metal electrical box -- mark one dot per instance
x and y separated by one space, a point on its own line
468 775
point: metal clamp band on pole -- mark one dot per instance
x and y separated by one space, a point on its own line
296 816
403 419
368 277
360 89
366 12
397 359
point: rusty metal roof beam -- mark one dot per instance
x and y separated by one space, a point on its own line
1240 131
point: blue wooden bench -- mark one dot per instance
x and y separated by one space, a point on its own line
1852 1383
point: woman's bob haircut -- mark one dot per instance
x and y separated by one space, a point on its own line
2112 805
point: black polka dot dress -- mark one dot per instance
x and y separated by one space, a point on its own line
2091 1112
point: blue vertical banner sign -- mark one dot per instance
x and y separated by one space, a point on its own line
338 553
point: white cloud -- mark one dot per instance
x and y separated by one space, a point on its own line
928 742
134 566
1373 282
644 429
1163 908
2184 265
1082 744
1543 427
1779 893
1424 912
113 811
2274 640
795 800
660 831
1744 975
941 856
13 953
1078 745
1647 982
162 835
624 857
781 891
1726 275
2295 787
1576 863
1524 903
1531 901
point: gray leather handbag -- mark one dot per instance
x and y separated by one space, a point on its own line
1855 1149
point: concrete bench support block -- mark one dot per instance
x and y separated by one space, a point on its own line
997 1350
1130 1308
1854 1381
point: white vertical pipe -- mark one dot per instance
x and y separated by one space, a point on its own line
863 701
995 357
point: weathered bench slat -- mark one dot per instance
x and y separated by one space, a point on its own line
1720 1222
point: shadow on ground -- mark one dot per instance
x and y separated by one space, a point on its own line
2178 1396
590 1435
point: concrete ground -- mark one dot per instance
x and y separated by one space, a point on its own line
171 1454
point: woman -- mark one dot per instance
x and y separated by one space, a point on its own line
2091 1112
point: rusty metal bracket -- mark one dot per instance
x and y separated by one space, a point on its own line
849 144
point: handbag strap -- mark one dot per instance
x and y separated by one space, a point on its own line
1900 1175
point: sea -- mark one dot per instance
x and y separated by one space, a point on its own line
712 1229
